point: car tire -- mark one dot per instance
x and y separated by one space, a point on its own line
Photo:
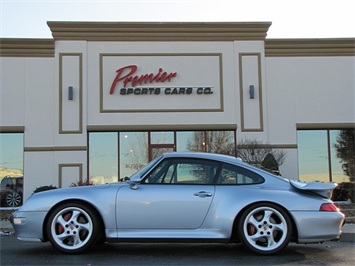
265 228
73 228
13 199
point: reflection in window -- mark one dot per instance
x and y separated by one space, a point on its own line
162 137
313 155
11 167
320 158
115 155
103 157
222 142
337 171
133 152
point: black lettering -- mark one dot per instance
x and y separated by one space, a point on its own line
182 90
123 91
167 91
208 91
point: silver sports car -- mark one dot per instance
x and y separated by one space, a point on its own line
188 197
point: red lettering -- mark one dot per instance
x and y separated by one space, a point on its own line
118 76
125 74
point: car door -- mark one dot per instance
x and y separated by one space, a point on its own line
177 194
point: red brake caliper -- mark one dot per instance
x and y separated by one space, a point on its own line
60 228
251 229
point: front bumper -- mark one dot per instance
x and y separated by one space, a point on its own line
28 225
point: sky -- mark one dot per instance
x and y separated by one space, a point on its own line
290 18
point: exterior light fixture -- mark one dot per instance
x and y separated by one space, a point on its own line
251 92
70 93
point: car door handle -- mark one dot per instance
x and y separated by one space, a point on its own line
203 194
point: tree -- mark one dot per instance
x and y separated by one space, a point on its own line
221 142
249 150
345 150
254 152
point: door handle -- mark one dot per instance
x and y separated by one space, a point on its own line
203 194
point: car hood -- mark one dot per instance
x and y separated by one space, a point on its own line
323 189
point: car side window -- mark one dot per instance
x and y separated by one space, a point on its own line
235 175
183 171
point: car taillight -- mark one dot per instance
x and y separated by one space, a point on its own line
329 207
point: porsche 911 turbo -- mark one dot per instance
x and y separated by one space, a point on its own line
185 197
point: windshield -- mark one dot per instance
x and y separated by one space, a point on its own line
143 170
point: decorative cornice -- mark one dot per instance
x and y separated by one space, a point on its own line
310 47
155 31
26 47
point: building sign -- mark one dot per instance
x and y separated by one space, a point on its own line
161 83
126 75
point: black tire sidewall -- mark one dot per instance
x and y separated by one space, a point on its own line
95 225
243 239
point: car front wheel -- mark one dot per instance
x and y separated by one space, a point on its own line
73 228
265 228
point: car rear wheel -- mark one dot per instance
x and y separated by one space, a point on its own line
73 228
265 228
13 199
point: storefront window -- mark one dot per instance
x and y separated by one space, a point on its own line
222 142
116 155
103 157
337 172
133 152
324 155
11 169
162 137
313 155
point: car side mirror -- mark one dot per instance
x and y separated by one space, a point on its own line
133 185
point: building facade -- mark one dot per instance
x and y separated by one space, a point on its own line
99 100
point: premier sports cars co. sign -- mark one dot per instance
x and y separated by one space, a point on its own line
130 81
158 83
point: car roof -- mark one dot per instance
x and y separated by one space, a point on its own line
204 155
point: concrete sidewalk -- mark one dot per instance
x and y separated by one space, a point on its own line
347 236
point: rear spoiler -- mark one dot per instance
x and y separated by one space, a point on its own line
323 189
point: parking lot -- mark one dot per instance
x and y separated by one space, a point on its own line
15 252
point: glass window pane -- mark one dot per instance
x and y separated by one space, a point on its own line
133 152
11 169
103 157
191 141
162 137
313 155
234 175
221 142
184 140
184 171
342 152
